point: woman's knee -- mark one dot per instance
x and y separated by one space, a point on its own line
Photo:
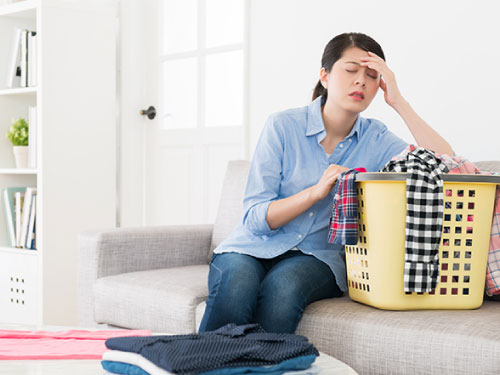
238 275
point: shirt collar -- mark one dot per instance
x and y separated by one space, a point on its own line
315 123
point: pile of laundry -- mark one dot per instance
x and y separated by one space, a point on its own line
424 182
231 349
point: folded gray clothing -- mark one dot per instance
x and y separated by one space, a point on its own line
226 347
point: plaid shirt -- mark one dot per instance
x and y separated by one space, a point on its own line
424 218
458 164
344 218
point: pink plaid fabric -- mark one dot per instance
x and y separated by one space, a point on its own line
460 165
344 218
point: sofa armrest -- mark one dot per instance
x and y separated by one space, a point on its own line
115 251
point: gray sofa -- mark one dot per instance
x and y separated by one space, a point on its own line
156 278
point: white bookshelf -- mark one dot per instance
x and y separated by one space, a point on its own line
76 135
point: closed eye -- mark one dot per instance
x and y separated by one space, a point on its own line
354 71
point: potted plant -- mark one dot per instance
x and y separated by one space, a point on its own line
18 135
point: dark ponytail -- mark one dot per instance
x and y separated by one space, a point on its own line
319 90
336 47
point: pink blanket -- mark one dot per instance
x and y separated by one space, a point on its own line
71 344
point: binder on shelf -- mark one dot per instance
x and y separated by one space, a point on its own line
30 241
24 58
32 52
15 58
25 214
32 137
9 210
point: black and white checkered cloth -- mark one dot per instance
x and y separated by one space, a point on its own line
424 219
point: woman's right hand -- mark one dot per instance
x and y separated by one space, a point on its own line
327 181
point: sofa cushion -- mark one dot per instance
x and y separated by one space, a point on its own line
230 211
374 341
488 166
162 300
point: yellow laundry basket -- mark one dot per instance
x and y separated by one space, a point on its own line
375 265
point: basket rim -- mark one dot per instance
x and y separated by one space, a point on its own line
448 177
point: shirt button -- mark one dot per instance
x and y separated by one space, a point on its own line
299 236
350 139
341 145
311 213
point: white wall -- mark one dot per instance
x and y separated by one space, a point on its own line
445 55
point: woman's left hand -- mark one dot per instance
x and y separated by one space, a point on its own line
388 84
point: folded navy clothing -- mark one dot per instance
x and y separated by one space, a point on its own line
226 347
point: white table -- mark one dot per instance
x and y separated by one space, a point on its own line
327 364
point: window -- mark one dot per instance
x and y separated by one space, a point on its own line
202 61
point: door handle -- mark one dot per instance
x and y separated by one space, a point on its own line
150 112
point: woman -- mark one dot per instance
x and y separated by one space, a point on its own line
278 259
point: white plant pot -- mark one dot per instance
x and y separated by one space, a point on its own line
21 156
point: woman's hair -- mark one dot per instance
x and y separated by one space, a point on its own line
336 47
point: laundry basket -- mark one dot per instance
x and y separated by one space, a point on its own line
375 265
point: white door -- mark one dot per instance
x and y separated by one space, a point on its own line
192 63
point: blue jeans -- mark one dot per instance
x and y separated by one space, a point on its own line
272 292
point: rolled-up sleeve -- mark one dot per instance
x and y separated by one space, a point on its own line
264 179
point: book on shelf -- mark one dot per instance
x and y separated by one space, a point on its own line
23 57
32 53
9 210
30 240
18 203
32 130
20 214
26 212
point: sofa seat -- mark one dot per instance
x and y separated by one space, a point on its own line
162 300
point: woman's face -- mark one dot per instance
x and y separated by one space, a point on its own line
348 76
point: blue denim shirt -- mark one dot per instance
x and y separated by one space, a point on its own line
289 158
